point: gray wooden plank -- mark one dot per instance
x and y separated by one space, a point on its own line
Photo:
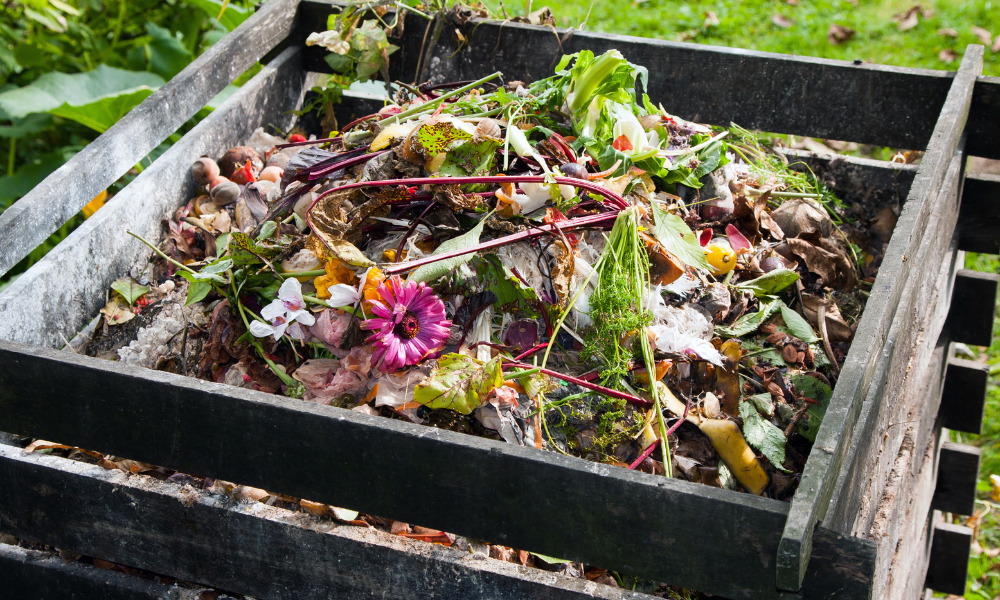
979 219
62 194
821 472
877 104
703 538
949 560
957 474
33 575
74 277
252 549
973 304
963 399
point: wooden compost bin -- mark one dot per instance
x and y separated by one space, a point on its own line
864 522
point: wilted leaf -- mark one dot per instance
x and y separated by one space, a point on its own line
129 289
763 403
512 295
459 383
677 238
471 158
909 19
984 36
750 322
53 90
813 388
838 34
948 32
440 136
763 435
770 283
782 21
117 311
948 55
438 269
347 252
711 20
796 325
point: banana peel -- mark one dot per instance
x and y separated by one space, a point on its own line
736 453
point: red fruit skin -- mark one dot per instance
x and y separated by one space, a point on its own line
296 137
244 175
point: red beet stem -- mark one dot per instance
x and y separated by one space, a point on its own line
307 143
587 221
645 453
584 384
531 351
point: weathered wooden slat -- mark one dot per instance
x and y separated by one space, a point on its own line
876 104
949 561
957 474
908 378
252 549
826 457
973 303
963 399
31 575
979 219
521 497
74 277
62 194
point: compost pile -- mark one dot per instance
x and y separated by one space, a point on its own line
520 262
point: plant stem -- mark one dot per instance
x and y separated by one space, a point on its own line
433 104
287 274
10 156
755 192
585 384
162 255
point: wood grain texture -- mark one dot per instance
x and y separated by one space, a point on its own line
949 560
74 277
252 549
973 304
539 501
877 104
957 473
62 194
834 437
979 219
963 400
33 575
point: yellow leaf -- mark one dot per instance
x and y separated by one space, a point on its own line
94 204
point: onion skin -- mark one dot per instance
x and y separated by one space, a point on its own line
574 170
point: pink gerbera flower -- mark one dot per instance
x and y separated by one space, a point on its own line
409 324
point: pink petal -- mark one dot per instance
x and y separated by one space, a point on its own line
704 236
736 239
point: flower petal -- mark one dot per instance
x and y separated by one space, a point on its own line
259 329
273 310
291 290
342 295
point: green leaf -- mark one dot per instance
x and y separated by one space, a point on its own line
750 322
230 19
763 435
550 560
219 266
770 283
512 295
471 158
29 125
167 54
677 238
763 402
369 41
52 90
438 269
442 136
101 114
340 63
197 292
796 325
460 383
811 387
129 289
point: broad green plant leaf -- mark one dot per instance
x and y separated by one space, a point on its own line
763 403
439 137
471 158
231 18
197 291
53 90
129 289
512 295
164 54
436 270
811 387
750 322
101 114
677 238
460 383
769 283
797 326
29 125
763 435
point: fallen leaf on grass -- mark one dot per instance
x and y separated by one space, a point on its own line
782 21
837 34
984 36
948 55
909 19
711 20
948 32
996 44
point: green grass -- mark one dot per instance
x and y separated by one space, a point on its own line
747 24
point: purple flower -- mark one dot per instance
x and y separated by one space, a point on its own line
409 324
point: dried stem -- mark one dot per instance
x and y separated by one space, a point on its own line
821 321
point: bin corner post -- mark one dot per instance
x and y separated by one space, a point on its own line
809 505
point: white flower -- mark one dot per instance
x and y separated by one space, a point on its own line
329 40
287 308
342 294
538 193
628 125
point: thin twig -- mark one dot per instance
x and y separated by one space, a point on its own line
821 320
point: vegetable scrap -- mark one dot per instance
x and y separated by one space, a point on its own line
561 265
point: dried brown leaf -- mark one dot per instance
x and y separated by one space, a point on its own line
838 34
782 21
117 311
996 44
948 55
836 327
711 20
948 32
909 19
984 36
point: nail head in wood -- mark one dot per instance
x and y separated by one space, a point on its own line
963 399
957 473
973 301
948 567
